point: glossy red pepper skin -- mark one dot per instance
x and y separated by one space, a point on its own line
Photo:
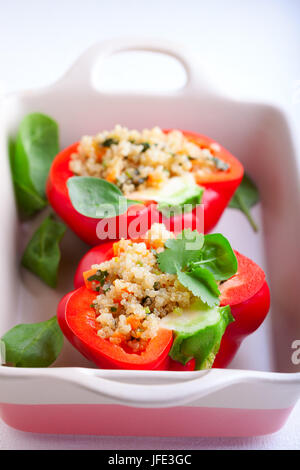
247 293
219 188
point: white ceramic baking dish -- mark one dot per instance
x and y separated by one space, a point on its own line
258 393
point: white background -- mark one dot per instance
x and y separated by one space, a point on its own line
249 48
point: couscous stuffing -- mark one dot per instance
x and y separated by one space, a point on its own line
133 292
135 161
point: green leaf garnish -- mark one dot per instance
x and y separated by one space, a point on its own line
174 203
245 197
179 252
42 254
199 262
97 198
198 333
33 345
35 147
202 284
217 256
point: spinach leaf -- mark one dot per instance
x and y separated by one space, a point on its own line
35 147
42 254
217 256
174 204
28 199
33 345
245 197
97 198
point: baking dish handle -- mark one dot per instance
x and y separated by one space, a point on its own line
80 74
179 392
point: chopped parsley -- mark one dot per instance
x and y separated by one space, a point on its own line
109 142
199 261
146 146
99 276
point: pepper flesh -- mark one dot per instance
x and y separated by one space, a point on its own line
219 189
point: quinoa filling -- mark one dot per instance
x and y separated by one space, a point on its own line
134 294
135 161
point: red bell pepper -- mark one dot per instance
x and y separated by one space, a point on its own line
247 293
219 189
77 320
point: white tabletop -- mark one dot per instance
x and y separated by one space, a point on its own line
250 49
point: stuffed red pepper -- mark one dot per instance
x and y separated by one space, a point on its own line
104 183
167 302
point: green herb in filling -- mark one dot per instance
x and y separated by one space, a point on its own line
100 276
110 141
146 146
220 164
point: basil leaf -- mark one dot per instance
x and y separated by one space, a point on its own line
202 284
33 345
245 197
97 198
11 151
174 204
181 251
217 256
42 254
27 198
36 145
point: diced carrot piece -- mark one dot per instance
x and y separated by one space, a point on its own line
86 275
133 321
116 248
111 176
117 338
154 179
100 151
